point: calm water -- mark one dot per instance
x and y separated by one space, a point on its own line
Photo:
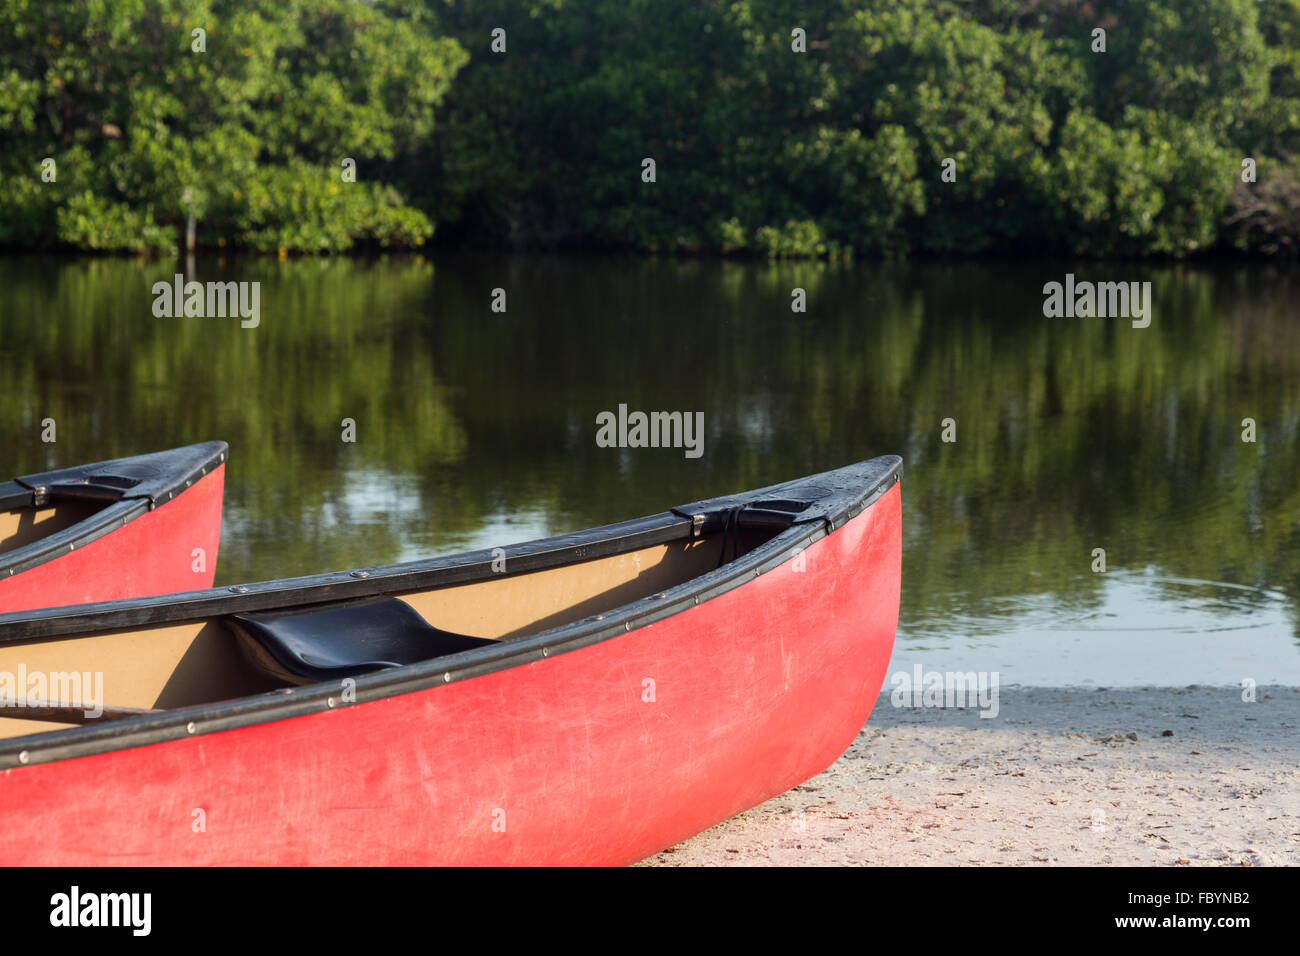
475 429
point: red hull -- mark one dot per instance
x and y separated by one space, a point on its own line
558 761
151 554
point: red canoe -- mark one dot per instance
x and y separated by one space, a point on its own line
585 699
114 529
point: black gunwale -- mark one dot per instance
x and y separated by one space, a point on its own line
839 496
181 468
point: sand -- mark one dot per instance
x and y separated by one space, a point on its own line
1060 776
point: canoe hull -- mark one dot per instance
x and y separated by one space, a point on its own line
601 755
156 553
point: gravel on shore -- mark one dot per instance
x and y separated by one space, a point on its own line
1150 776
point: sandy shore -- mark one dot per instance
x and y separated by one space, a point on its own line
1060 776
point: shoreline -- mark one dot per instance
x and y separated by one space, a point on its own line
1062 776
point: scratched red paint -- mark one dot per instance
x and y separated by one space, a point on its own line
152 554
755 691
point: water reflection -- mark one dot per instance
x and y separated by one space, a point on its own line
475 428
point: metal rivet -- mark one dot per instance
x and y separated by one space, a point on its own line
191 728
627 625
361 574
329 701
546 652
23 757
446 677
239 589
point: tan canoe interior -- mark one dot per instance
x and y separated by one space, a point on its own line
197 662
22 527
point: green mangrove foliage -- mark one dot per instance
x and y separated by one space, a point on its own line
126 121
947 126
1138 127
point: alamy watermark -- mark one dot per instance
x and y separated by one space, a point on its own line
946 689
178 298
75 908
1104 300
40 689
651 430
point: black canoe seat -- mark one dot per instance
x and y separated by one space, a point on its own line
305 645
